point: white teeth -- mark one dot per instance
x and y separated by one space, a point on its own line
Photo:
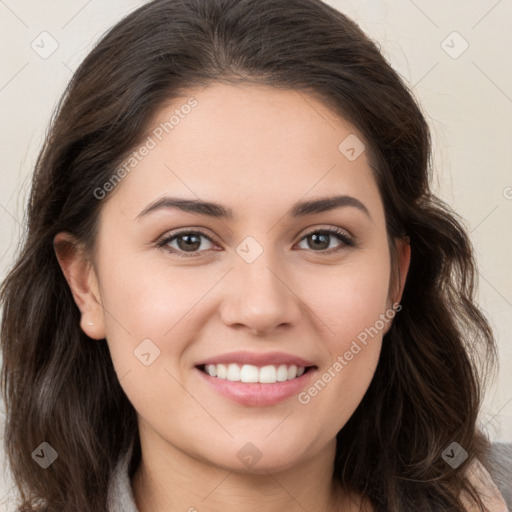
292 372
233 372
282 373
222 371
248 373
268 374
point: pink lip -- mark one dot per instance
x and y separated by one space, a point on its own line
257 359
257 394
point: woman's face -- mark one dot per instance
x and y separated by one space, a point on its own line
267 280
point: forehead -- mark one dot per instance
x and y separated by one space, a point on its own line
246 145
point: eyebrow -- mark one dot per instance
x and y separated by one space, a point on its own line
299 209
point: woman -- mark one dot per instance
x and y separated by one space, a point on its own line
237 288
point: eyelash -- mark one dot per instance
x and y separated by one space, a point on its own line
341 235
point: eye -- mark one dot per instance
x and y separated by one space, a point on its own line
188 243
320 239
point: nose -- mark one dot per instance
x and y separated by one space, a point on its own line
259 297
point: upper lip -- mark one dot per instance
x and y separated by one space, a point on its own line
258 359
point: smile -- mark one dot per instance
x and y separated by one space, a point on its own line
248 373
265 391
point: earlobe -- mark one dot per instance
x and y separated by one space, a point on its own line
83 283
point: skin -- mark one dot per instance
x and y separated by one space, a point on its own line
256 150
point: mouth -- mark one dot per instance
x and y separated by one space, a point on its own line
250 374
259 386
257 379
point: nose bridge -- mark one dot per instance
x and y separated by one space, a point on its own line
258 296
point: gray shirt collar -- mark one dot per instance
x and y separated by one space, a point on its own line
120 493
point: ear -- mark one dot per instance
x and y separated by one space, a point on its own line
399 272
83 282
403 260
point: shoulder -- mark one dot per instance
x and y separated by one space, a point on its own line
499 467
120 493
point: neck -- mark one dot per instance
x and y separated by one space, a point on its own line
170 480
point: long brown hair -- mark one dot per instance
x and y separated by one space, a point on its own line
60 386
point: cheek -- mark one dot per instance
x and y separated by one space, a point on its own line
147 298
143 311
146 323
349 298
351 305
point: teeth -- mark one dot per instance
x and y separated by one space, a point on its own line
233 372
248 373
222 371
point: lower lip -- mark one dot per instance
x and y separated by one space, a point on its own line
257 394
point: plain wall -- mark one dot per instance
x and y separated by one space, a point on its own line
466 95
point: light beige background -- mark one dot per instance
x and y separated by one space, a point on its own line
467 97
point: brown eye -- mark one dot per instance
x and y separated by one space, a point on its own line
188 243
319 240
